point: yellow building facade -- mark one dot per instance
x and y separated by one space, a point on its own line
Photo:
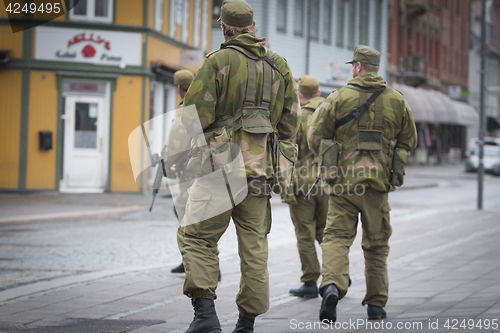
73 89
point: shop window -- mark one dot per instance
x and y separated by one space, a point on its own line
93 10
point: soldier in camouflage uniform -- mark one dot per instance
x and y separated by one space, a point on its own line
218 92
367 172
308 215
182 81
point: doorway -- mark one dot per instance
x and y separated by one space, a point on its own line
85 150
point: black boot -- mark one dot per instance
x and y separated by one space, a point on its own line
307 290
205 319
244 325
328 308
375 312
178 269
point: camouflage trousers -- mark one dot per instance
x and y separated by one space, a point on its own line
252 219
181 201
340 231
309 219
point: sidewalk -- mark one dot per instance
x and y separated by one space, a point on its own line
50 205
443 267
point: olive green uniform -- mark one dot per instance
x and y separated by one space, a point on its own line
218 92
308 215
363 183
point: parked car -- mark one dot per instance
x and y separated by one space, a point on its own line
491 159
488 141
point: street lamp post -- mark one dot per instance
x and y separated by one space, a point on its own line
482 130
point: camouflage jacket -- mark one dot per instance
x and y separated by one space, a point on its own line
177 149
218 91
306 169
357 167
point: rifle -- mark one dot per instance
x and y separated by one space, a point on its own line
160 172
308 194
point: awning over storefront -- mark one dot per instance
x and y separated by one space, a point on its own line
432 106
492 123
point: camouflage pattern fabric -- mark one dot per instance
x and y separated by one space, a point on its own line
218 92
306 168
370 168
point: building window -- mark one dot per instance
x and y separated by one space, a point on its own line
352 25
327 22
340 22
282 11
314 24
93 10
159 15
378 24
365 22
299 17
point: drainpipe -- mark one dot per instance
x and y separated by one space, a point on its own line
308 36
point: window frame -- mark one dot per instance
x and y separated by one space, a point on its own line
90 16
159 15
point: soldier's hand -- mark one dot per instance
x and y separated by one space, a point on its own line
171 173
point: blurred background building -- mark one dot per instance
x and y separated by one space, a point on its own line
492 65
73 89
318 37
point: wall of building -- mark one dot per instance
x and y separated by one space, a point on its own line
327 61
43 102
32 96
10 128
127 115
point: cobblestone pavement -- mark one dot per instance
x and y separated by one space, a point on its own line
109 270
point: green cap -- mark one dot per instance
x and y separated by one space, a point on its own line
183 77
366 55
308 84
236 13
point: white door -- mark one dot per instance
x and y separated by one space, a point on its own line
85 147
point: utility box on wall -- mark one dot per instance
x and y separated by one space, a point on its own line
45 138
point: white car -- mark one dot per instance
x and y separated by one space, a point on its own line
491 159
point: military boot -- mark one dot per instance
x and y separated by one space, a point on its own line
328 308
244 325
205 319
307 290
375 312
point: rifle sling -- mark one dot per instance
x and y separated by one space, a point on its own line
359 111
